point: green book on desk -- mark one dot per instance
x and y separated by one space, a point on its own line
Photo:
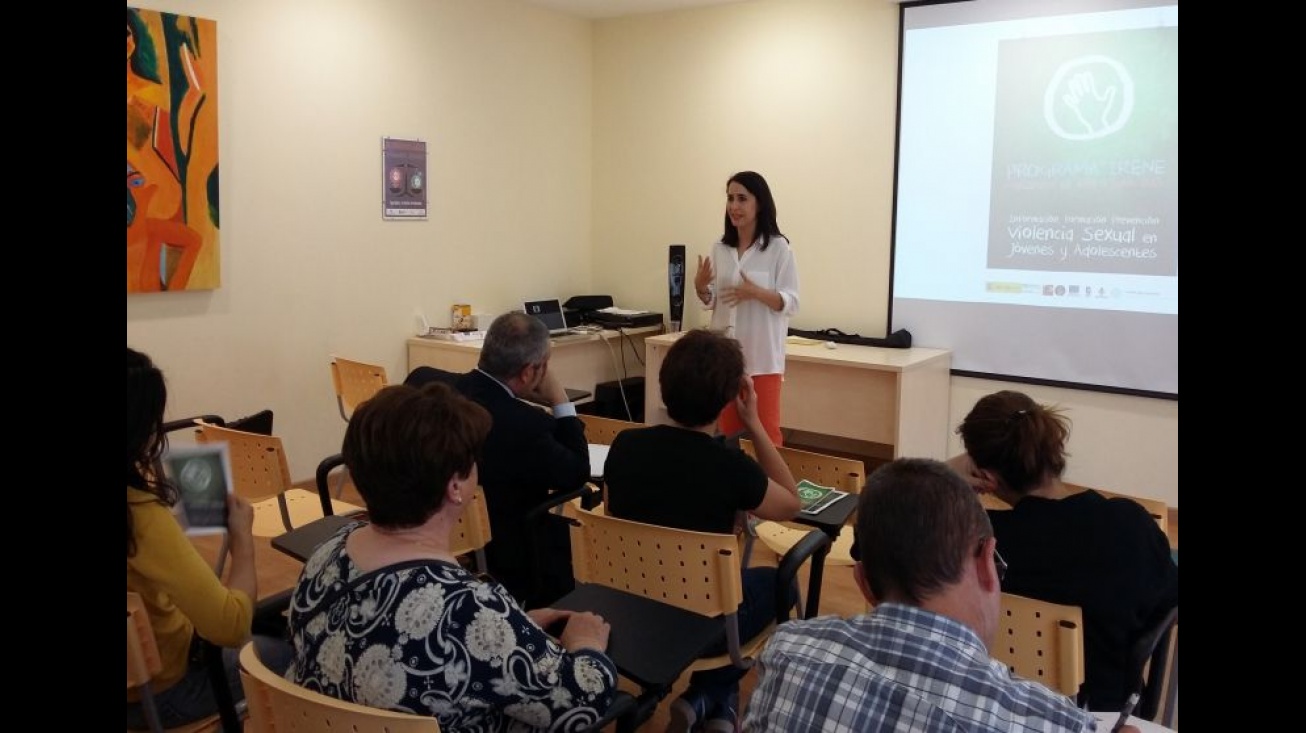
815 497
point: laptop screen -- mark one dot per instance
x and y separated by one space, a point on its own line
550 312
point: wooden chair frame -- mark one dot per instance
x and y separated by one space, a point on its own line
1158 509
144 663
603 430
696 571
262 474
354 382
277 705
847 474
1042 641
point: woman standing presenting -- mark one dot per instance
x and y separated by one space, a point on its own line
750 283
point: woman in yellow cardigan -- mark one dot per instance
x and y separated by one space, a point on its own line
182 594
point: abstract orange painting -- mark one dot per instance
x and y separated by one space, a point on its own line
172 152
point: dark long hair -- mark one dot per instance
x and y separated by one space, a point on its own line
147 396
766 224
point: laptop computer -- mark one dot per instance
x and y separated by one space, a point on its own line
549 311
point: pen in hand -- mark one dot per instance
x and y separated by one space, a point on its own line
1125 713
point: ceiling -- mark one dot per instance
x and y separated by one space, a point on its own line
618 8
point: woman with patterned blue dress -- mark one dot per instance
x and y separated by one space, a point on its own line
385 615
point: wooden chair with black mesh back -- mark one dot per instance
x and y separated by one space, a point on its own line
261 473
669 595
144 663
1042 641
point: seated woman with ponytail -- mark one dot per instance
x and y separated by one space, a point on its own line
1107 556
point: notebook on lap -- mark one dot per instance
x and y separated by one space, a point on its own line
550 312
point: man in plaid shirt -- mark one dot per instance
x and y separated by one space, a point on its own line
928 561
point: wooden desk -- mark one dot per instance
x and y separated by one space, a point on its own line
893 397
580 362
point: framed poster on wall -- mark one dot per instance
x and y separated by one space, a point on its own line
403 190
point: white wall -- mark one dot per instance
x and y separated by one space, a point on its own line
501 93
803 91
565 156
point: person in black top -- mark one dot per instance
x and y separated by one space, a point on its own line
1107 556
683 475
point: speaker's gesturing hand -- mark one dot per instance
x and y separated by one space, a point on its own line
703 273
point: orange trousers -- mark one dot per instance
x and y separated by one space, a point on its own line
767 387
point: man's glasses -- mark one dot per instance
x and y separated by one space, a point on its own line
998 563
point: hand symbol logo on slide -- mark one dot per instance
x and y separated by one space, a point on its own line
1089 98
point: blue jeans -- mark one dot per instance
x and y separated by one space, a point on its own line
191 698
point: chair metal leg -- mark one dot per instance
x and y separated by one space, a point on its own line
340 487
221 563
221 689
1170 706
285 511
150 709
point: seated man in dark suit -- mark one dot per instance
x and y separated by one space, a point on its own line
529 455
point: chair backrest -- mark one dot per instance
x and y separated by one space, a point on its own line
696 571
1155 507
1042 641
144 662
422 375
472 533
278 705
259 466
186 423
602 430
355 381
847 474
259 422
1158 509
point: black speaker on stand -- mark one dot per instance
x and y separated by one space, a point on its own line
676 285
